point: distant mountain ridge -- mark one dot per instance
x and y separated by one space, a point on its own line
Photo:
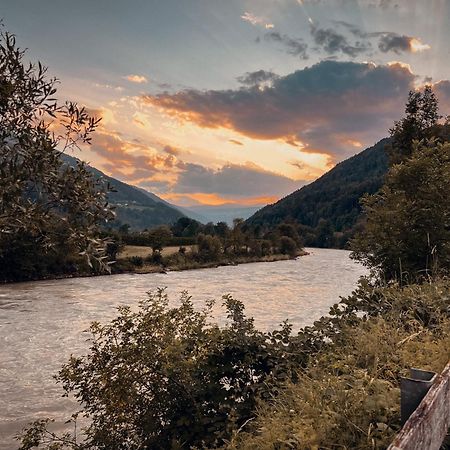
222 213
328 209
135 206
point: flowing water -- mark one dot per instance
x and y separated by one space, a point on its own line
42 323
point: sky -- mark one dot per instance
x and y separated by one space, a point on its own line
235 102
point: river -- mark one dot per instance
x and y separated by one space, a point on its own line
43 322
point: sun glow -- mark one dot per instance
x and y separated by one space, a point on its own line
417 46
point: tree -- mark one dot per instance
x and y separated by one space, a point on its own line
289 230
209 247
407 233
421 116
49 211
288 246
159 237
222 230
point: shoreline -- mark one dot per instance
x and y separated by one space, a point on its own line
147 269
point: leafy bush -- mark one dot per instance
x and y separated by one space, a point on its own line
137 261
165 377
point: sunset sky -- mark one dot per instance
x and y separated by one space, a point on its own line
235 101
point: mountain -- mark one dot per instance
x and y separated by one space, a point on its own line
135 206
222 213
328 209
186 211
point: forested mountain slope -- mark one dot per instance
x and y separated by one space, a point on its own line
134 206
328 209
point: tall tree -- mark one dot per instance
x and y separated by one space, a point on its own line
421 115
407 234
49 211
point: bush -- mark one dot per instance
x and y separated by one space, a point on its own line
168 378
209 247
164 378
137 261
288 246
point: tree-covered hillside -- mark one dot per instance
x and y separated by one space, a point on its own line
133 206
328 209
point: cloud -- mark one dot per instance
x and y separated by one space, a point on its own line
388 41
393 42
172 150
166 174
256 20
235 142
333 42
130 161
442 91
294 47
139 79
319 108
258 78
201 198
233 180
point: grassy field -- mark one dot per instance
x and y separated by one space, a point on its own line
142 251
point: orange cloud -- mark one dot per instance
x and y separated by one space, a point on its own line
256 20
139 79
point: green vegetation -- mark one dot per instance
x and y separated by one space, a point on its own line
327 212
204 246
347 394
49 212
407 234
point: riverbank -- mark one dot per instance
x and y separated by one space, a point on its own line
180 264
126 265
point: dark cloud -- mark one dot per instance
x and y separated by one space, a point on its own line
323 106
388 41
235 142
442 90
258 78
171 150
397 43
233 180
295 47
333 42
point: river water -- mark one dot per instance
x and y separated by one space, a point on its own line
42 323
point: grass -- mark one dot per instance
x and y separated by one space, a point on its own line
142 251
348 396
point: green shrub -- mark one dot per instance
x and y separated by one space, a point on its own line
137 261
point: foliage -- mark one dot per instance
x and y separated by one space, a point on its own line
166 377
407 234
288 246
421 117
209 247
348 395
49 212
